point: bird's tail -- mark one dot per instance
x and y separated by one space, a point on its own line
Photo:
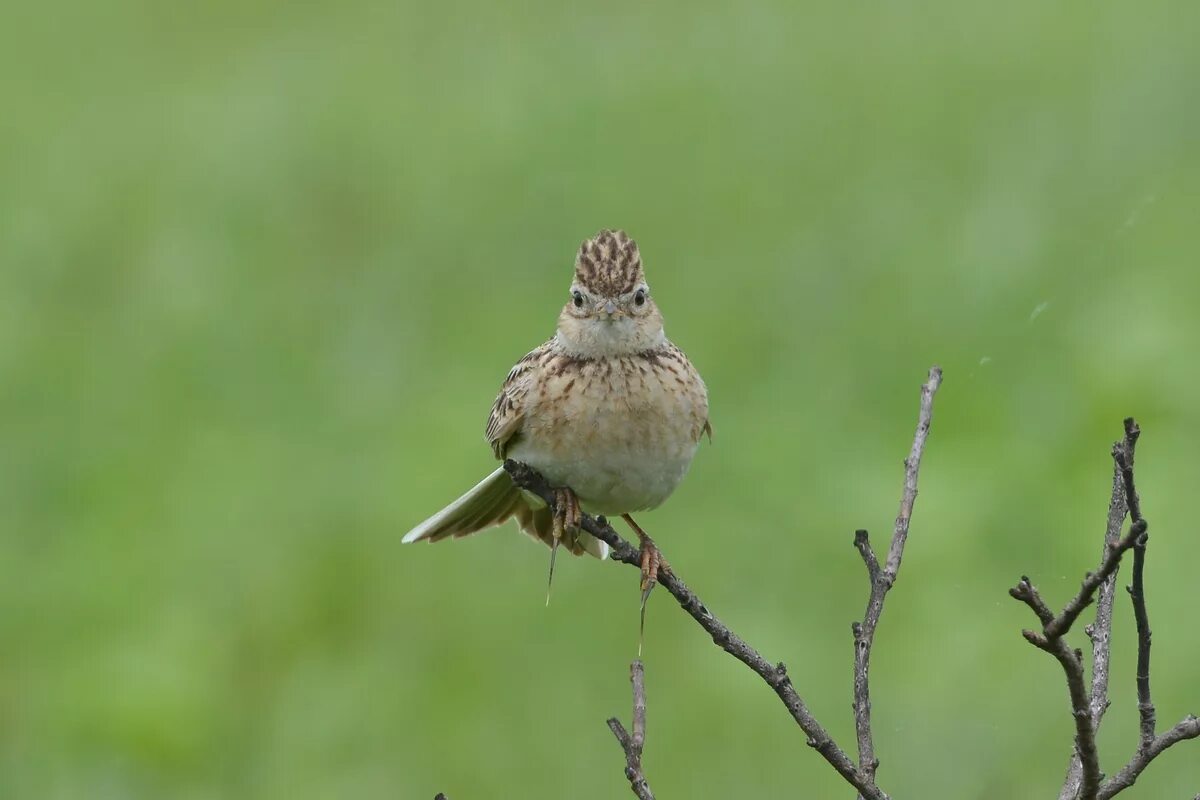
491 502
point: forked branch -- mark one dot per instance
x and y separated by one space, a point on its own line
861 777
632 743
1084 778
774 675
881 580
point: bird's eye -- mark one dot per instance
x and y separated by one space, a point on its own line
640 297
577 298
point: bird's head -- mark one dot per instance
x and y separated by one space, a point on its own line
609 310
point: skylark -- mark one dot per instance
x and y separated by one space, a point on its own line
608 409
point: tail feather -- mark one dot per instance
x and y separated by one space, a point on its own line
490 507
495 514
539 523
492 502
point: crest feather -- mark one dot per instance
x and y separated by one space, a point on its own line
609 264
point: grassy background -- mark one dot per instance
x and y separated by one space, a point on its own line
265 266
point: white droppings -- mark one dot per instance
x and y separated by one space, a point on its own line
985 360
1037 312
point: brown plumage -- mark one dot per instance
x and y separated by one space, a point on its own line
608 409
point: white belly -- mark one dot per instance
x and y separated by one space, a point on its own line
616 481
621 439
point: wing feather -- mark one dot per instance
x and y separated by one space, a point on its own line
508 412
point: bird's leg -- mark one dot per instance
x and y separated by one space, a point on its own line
652 558
652 562
565 521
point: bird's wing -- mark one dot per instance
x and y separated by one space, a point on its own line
508 412
697 393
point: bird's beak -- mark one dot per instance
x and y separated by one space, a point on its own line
609 311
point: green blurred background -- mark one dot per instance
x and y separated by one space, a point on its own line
265 266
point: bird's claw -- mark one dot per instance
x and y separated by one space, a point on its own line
652 561
653 565
567 514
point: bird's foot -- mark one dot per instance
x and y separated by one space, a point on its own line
567 515
653 564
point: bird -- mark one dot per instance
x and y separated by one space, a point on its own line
608 410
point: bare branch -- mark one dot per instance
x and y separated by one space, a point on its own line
1188 728
1059 625
1137 591
1124 457
1150 746
1083 776
774 675
1072 664
864 637
1100 631
912 466
1025 592
882 580
633 744
1082 781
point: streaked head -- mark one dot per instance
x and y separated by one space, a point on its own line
609 310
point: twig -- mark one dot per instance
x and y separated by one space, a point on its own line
882 580
1072 664
864 637
1137 591
1050 639
1100 631
774 675
1083 777
633 743
912 466
1150 746
1057 626
1187 728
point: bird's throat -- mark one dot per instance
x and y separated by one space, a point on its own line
597 338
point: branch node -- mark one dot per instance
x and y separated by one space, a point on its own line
1035 639
883 576
631 744
1084 779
